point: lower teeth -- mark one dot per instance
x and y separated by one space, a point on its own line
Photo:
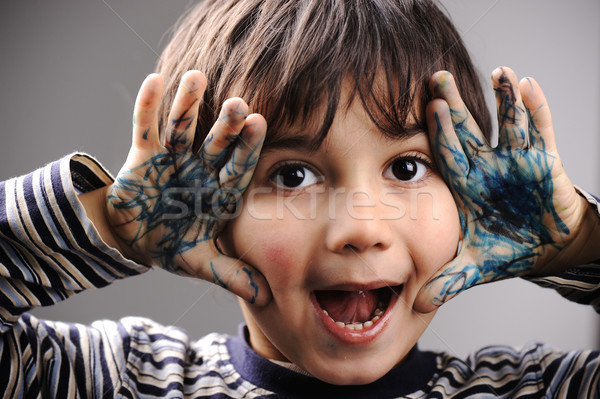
358 325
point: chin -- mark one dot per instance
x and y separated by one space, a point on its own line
351 372
336 378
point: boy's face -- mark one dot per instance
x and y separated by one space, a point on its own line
354 228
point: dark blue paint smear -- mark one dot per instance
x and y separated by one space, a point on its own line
178 173
216 278
252 284
508 192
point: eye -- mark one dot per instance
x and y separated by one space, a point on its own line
294 175
407 169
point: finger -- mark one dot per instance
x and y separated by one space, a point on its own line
184 112
541 129
216 147
449 156
455 277
442 85
241 279
145 113
512 118
237 172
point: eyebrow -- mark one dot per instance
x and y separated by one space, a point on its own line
299 142
304 142
407 132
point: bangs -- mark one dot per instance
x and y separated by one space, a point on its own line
289 59
297 81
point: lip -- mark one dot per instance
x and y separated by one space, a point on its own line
354 337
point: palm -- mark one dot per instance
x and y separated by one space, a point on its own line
506 205
168 203
158 203
515 201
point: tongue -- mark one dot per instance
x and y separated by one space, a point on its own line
348 306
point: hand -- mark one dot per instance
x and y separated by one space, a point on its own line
168 203
518 209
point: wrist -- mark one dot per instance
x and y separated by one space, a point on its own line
583 247
589 250
94 203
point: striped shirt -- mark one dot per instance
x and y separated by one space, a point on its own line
49 251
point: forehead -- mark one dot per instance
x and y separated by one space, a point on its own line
305 135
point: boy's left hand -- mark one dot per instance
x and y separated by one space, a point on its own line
519 212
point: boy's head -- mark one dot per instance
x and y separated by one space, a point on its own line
346 215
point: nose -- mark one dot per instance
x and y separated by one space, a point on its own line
358 223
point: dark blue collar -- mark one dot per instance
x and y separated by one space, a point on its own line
412 375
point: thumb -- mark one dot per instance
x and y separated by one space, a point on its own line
453 278
241 279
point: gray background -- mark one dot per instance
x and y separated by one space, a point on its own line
71 70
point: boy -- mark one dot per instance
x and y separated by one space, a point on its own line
331 277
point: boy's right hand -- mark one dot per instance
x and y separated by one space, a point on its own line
168 202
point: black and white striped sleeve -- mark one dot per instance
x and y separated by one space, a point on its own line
580 284
49 250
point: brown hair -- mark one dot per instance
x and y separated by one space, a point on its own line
288 59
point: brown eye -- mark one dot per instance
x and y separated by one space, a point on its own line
294 176
406 169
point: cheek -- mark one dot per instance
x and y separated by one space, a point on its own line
438 227
278 256
271 246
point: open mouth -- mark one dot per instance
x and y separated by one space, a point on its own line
357 309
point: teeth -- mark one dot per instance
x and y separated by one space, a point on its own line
357 325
